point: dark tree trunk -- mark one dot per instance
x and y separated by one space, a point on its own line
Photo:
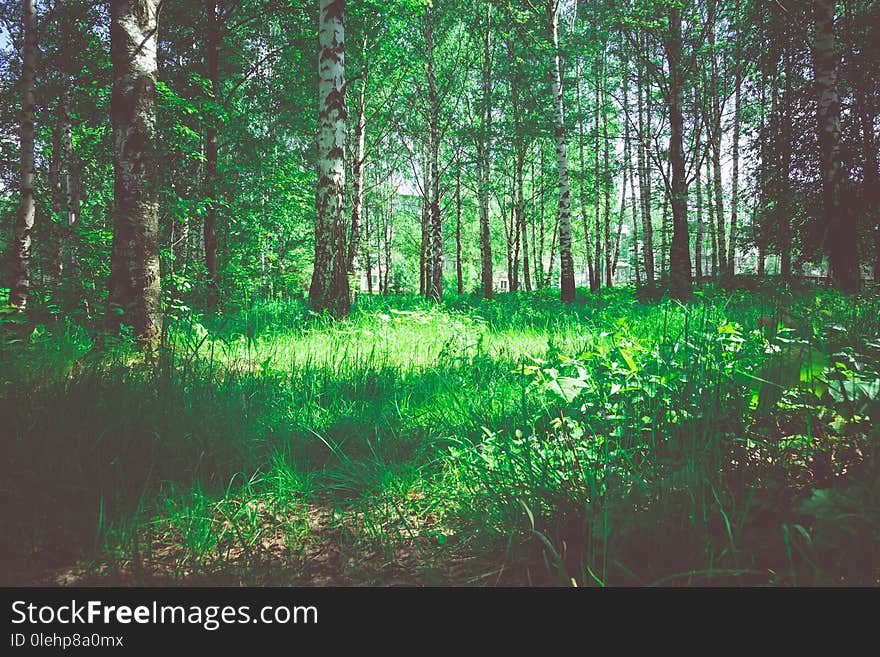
679 254
212 60
582 184
72 188
710 208
698 240
734 182
783 174
715 136
606 184
483 164
59 218
644 112
596 281
840 223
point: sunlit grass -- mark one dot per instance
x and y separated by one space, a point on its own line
514 441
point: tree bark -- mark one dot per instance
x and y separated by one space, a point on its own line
459 274
483 164
679 255
606 184
519 154
523 229
783 173
698 240
59 218
357 167
329 289
840 224
644 118
24 223
596 282
566 262
710 208
627 170
135 297
734 174
582 182
72 188
541 276
715 141
212 61
434 274
633 206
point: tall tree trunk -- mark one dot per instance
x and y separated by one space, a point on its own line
734 174
633 206
596 282
212 58
483 165
840 223
434 275
783 173
644 108
523 229
329 289
607 184
459 274
627 163
540 275
582 180
357 171
24 223
553 242
519 210
871 182
679 253
426 221
72 187
698 240
537 254
566 281
513 244
866 112
134 266
759 210
389 243
664 235
59 218
710 208
367 253
715 140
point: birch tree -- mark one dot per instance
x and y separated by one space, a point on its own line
134 268
24 223
329 288
566 262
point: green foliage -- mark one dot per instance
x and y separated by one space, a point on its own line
608 442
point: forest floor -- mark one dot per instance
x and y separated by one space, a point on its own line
730 440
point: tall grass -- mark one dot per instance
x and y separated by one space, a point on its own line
516 441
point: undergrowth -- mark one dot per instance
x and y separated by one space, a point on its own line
729 440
